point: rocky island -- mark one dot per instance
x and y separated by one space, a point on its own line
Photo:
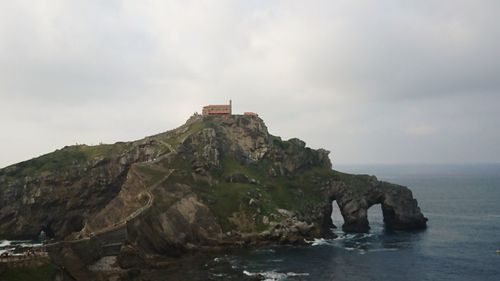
217 181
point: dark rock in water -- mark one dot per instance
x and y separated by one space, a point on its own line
399 208
216 181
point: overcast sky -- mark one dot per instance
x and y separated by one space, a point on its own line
371 81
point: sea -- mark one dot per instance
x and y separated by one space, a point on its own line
462 241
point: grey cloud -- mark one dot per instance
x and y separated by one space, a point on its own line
372 81
404 53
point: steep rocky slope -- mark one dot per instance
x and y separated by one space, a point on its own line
216 180
59 191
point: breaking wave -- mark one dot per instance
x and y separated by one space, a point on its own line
273 275
10 246
4 243
359 242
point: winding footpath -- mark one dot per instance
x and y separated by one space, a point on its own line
137 212
148 190
149 203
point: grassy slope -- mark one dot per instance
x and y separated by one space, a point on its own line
224 199
297 193
70 156
62 159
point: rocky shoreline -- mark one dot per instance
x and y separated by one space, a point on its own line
215 182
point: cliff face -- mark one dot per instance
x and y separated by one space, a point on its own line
59 191
216 180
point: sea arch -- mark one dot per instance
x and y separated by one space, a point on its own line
399 208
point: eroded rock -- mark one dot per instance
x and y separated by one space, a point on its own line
214 181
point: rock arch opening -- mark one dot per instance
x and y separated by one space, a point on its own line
348 206
336 215
358 216
356 219
375 218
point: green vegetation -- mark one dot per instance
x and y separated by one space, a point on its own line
163 202
277 141
48 162
104 150
40 273
358 183
63 159
225 198
256 171
151 174
70 157
175 139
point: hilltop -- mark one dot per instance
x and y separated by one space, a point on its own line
217 180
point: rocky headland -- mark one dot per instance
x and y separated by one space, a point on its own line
214 182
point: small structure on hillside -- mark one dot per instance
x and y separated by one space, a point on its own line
218 109
248 113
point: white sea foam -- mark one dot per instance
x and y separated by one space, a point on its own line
10 246
354 236
33 245
273 275
4 243
357 243
11 253
319 242
297 274
20 243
